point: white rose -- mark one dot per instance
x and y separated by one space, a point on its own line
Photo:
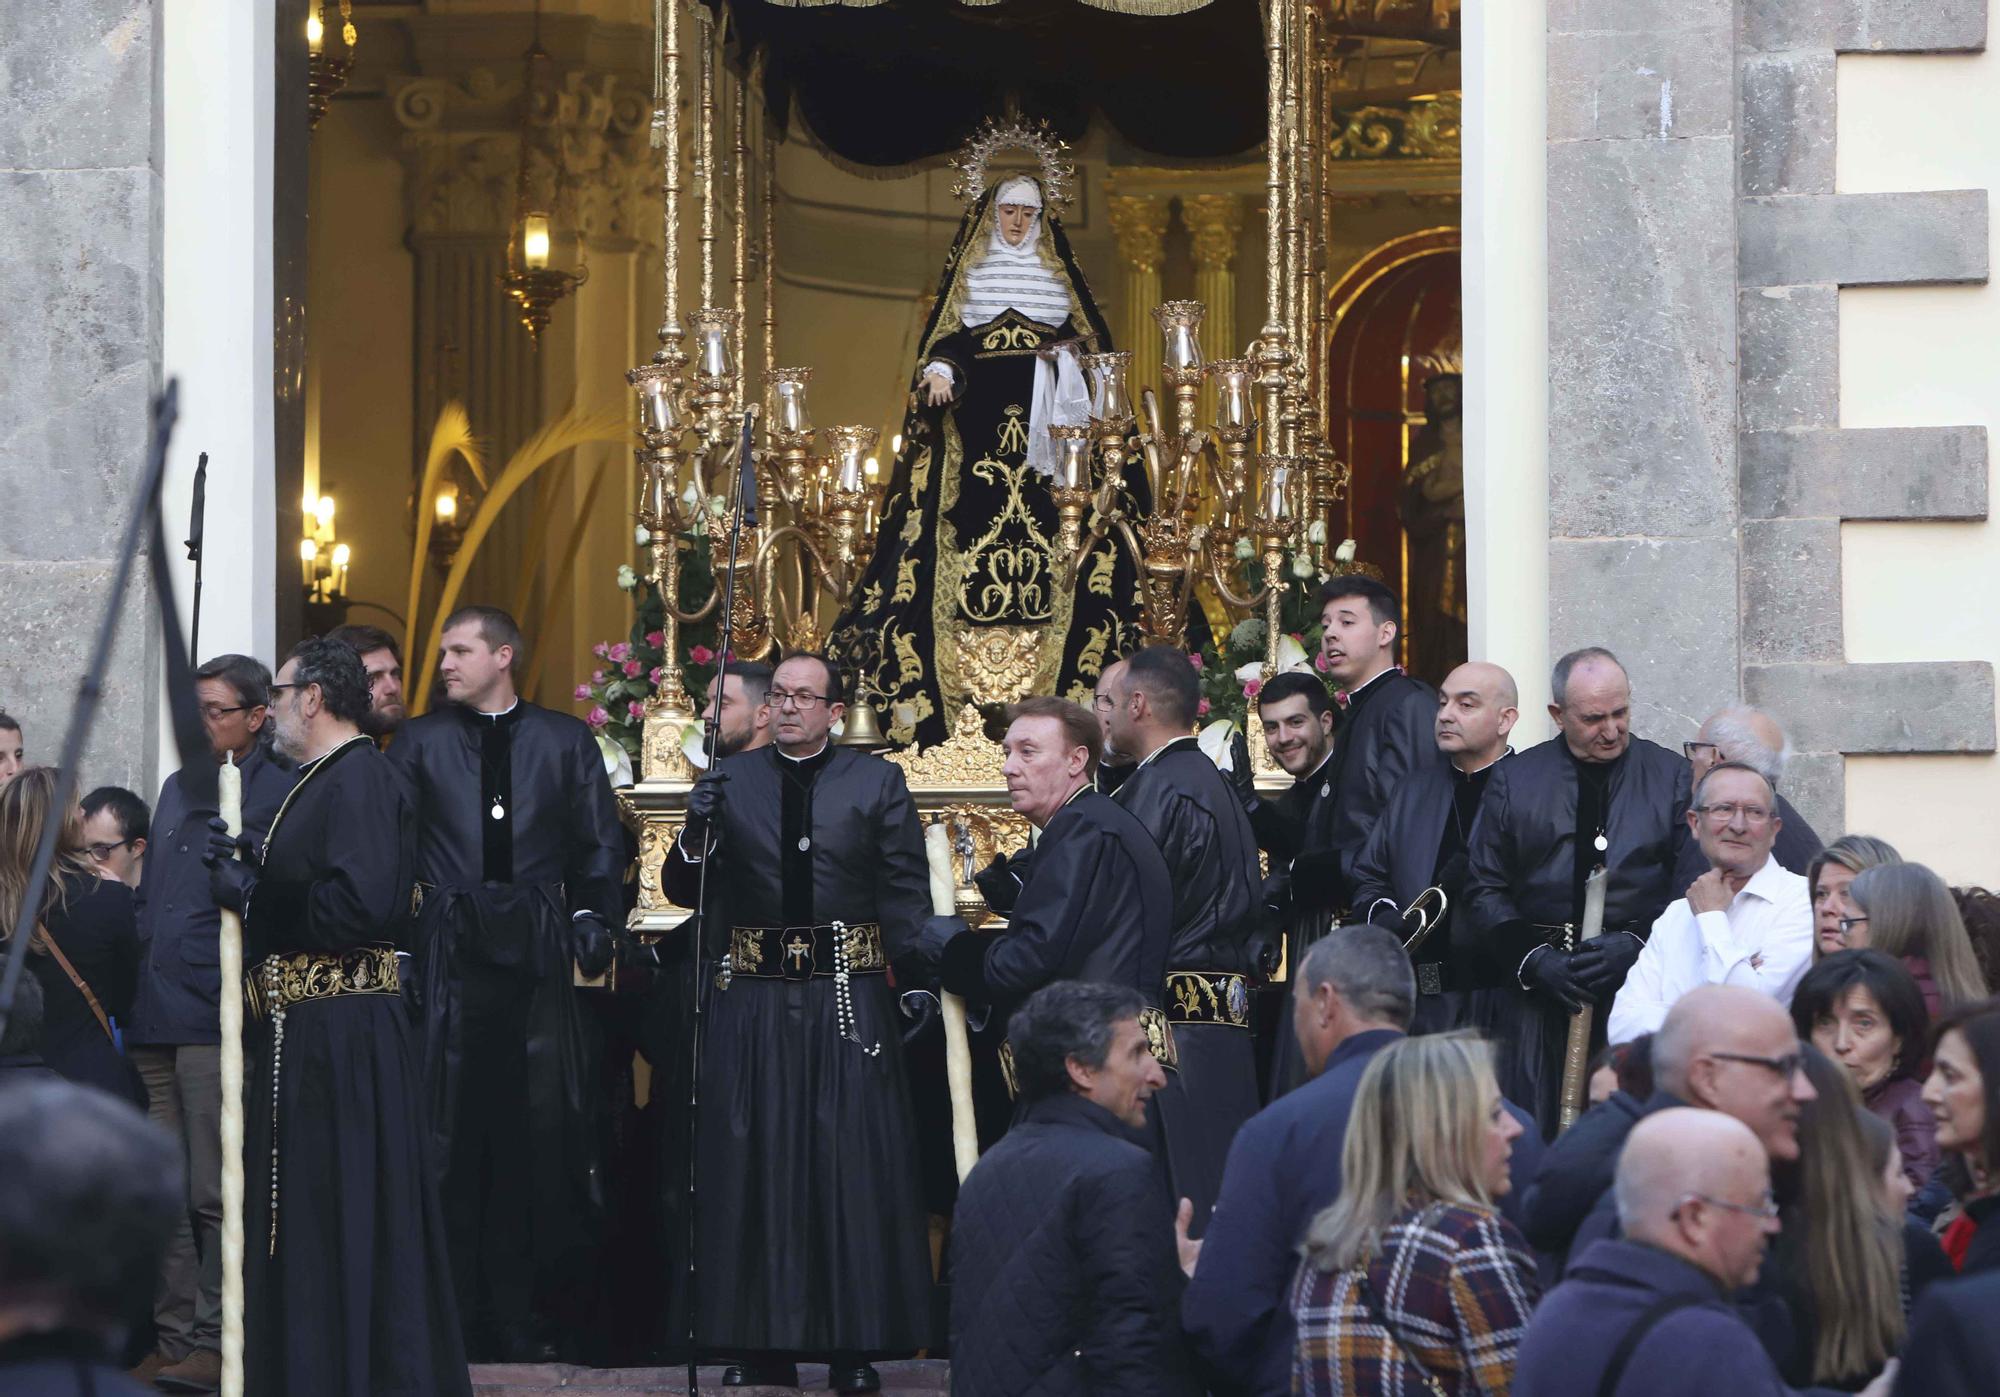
1302 566
691 497
1345 553
1245 549
718 505
1316 532
627 579
641 535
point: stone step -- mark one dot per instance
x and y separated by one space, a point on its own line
920 1377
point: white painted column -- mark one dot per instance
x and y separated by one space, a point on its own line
1505 276
217 76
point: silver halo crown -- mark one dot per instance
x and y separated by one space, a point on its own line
1016 133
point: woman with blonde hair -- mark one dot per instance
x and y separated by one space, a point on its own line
1907 911
1412 1281
84 949
1828 877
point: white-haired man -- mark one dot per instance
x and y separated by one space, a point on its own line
1741 733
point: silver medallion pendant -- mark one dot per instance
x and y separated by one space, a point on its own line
498 811
805 842
1325 789
1602 843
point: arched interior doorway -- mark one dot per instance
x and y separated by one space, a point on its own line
1396 324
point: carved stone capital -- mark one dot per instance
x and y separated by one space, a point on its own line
1215 223
1139 222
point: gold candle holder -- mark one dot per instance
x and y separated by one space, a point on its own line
1181 363
1071 491
1235 424
845 495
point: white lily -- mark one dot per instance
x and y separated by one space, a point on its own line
693 747
617 761
1214 743
1291 655
1253 670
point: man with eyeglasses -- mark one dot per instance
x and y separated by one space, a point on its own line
1747 921
1741 733
1650 1314
810 1217
115 823
175 1027
1592 795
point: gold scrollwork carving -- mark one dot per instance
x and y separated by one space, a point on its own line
1011 336
1000 662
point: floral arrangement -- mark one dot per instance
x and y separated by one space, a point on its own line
1231 669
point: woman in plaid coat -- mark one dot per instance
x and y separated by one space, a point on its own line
1413 1284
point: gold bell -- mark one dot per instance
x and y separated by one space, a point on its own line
862 728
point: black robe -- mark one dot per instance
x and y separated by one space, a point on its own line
1300 818
1197 819
1421 842
356 1299
966 543
510 1055
811 1228
1386 732
1525 873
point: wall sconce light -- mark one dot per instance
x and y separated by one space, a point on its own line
327 69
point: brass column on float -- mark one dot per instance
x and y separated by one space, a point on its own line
1139 221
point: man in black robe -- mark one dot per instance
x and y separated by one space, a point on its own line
810 1224
1217 949
1095 902
1591 795
519 861
1296 713
1420 842
347 1283
1384 733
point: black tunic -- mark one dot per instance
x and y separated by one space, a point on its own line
1420 842
810 1222
1524 873
1197 819
1299 819
1386 732
509 1055
356 1300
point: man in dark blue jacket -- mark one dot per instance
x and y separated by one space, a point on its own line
1352 997
1064 1278
1954 1348
176 1019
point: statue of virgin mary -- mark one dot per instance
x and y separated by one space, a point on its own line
962 598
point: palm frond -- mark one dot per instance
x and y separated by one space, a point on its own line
451 435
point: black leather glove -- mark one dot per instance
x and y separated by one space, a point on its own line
928 953
1548 970
1267 952
230 879
412 985
704 806
921 1008
999 884
1602 965
592 945
1276 893
1239 773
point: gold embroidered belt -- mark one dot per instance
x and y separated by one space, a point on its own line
1208 996
279 982
1159 1041
802 952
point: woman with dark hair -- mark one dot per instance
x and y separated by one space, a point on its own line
1963 1092
1622 1067
1828 877
1979 909
84 949
1906 910
1863 1009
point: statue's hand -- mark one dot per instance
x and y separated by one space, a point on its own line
937 389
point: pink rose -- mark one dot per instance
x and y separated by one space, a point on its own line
1201 709
654 677
602 649
1194 660
619 653
656 638
1319 662
597 717
700 654
598 676
636 709
633 669
583 693
1251 687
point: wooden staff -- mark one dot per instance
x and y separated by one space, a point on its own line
1576 1052
229 790
957 1045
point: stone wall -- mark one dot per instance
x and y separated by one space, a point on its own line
80 201
1698 472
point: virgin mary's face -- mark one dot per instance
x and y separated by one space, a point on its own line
1015 221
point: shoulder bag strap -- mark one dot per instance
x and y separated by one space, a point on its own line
1648 1320
82 986
1381 1317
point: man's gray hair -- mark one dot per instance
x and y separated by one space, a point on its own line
1369 969
93 1190
1734 733
1559 676
1701 786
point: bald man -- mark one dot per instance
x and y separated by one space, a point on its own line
1694 1201
1741 733
1420 841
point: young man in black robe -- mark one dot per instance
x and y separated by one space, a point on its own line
810 1223
1420 842
347 1284
1296 714
1095 902
1217 949
1384 734
1591 795
519 862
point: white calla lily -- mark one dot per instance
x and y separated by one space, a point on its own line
1291 655
1214 743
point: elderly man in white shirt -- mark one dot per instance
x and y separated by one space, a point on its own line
1747 921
